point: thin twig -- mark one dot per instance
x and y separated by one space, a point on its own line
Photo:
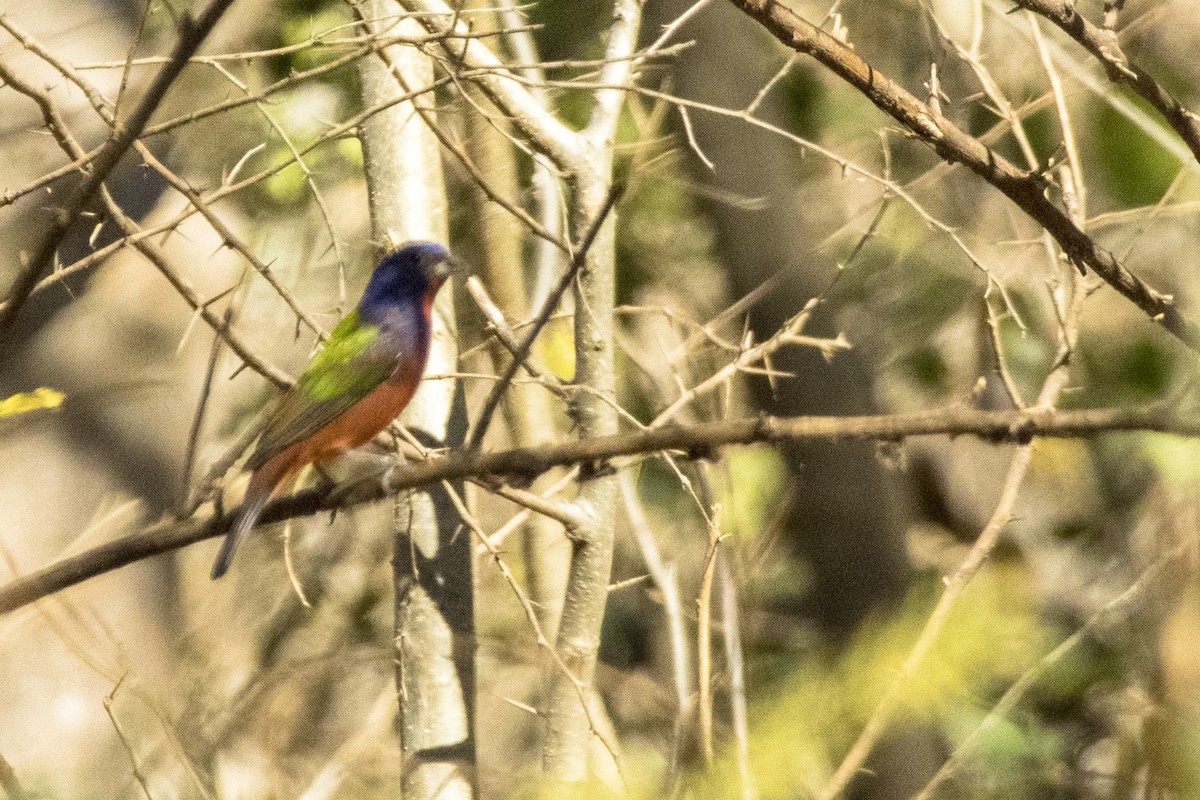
192 32
890 701
790 333
517 520
561 512
506 336
1024 188
189 457
233 241
704 635
159 259
996 339
664 577
991 88
1105 47
735 661
289 565
1076 189
283 84
1030 678
543 641
848 166
547 310
125 743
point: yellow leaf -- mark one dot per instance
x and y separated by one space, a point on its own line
556 348
30 401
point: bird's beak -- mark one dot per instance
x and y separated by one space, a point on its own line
454 266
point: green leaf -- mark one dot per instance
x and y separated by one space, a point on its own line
757 476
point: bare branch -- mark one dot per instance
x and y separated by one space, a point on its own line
1103 44
544 314
664 576
192 33
730 621
229 188
1068 305
790 333
704 635
150 251
543 130
1024 188
698 440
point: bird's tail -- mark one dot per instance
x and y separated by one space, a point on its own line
263 485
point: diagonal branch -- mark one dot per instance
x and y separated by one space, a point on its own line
227 188
1149 580
108 112
1104 45
57 127
1025 188
192 32
547 311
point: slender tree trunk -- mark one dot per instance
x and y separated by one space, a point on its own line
434 631
528 410
569 726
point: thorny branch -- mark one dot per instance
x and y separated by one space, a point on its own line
228 188
143 245
702 440
792 332
543 641
578 259
1068 298
1023 187
192 33
371 44
1103 43
108 112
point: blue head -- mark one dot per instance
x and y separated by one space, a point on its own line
410 276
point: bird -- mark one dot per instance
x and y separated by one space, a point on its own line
355 386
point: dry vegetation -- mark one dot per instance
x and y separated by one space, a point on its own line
819 420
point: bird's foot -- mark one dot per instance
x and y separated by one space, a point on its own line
392 470
325 483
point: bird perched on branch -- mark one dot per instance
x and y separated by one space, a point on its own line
355 386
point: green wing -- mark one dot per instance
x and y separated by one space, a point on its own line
349 368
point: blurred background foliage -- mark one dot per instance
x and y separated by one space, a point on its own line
155 680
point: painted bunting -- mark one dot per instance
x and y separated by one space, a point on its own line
354 387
